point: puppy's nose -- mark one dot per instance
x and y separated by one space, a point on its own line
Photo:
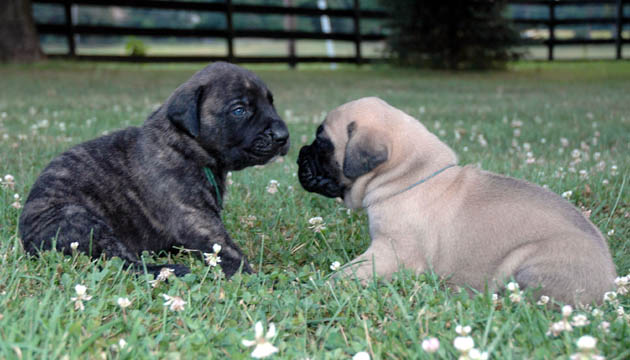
279 133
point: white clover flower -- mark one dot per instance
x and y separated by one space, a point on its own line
530 158
213 259
611 232
516 297
512 286
583 174
263 348
74 245
544 300
81 296
482 140
272 188
610 296
175 303
464 344
123 302
9 182
495 298
620 311
16 204
80 290
248 221
567 310
475 354
317 224
580 320
164 274
567 194
431 345
623 285
122 344
564 325
463 330
556 328
564 142
597 313
361 355
604 326
335 266
586 343
613 170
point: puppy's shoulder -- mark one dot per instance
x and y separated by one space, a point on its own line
120 140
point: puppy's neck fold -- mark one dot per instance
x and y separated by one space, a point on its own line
162 138
420 168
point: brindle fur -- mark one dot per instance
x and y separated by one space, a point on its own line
143 188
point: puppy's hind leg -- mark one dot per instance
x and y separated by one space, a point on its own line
61 227
565 282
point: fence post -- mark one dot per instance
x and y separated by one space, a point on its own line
357 32
229 11
289 25
552 28
69 29
618 39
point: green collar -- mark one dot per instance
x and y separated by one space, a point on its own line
213 182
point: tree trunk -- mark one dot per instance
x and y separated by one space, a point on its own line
18 35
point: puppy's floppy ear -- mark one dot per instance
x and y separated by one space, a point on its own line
183 108
365 151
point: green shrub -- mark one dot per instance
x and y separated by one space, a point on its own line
450 34
135 47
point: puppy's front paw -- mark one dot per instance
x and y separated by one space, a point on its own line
230 266
357 272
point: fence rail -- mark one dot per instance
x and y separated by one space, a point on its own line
69 29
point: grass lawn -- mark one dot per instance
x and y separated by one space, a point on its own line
565 126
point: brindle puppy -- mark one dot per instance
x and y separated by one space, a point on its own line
151 187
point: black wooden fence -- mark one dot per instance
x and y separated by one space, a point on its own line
228 8
551 23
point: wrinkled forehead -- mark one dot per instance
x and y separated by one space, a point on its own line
227 80
240 81
358 112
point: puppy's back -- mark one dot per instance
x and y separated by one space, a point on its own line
80 177
547 241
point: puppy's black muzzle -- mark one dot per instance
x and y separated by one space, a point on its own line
315 176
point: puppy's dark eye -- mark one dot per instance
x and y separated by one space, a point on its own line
239 111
